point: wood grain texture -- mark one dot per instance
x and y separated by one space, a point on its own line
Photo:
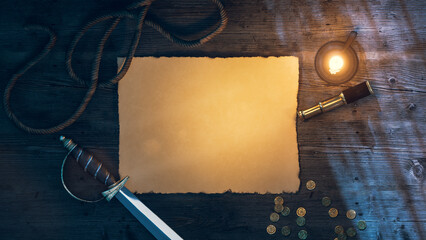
361 155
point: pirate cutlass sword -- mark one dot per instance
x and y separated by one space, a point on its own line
152 222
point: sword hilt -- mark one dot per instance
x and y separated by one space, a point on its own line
88 162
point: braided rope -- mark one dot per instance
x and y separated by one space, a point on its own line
141 8
197 42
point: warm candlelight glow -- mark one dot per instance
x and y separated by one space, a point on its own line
336 64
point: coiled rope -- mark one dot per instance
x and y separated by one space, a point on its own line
136 11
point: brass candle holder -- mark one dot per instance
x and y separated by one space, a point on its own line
337 62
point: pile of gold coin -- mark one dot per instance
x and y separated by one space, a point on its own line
339 230
275 217
350 214
285 211
350 232
301 221
279 201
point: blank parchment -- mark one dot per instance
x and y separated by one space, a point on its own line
209 125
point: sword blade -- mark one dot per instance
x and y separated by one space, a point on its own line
152 222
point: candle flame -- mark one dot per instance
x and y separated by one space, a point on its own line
336 64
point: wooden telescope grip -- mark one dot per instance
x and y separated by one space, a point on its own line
88 162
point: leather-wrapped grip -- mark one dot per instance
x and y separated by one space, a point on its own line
88 162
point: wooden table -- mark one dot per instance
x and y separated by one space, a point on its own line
362 155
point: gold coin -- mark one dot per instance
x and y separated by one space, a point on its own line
271 229
300 221
326 201
339 229
351 232
362 225
286 230
301 212
279 200
286 211
351 214
342 236
274 217
310 185
333 212
303 234
278 208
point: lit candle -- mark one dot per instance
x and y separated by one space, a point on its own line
335 64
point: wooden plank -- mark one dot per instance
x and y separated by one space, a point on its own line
361 155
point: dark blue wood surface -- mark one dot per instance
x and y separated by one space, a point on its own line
362 156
